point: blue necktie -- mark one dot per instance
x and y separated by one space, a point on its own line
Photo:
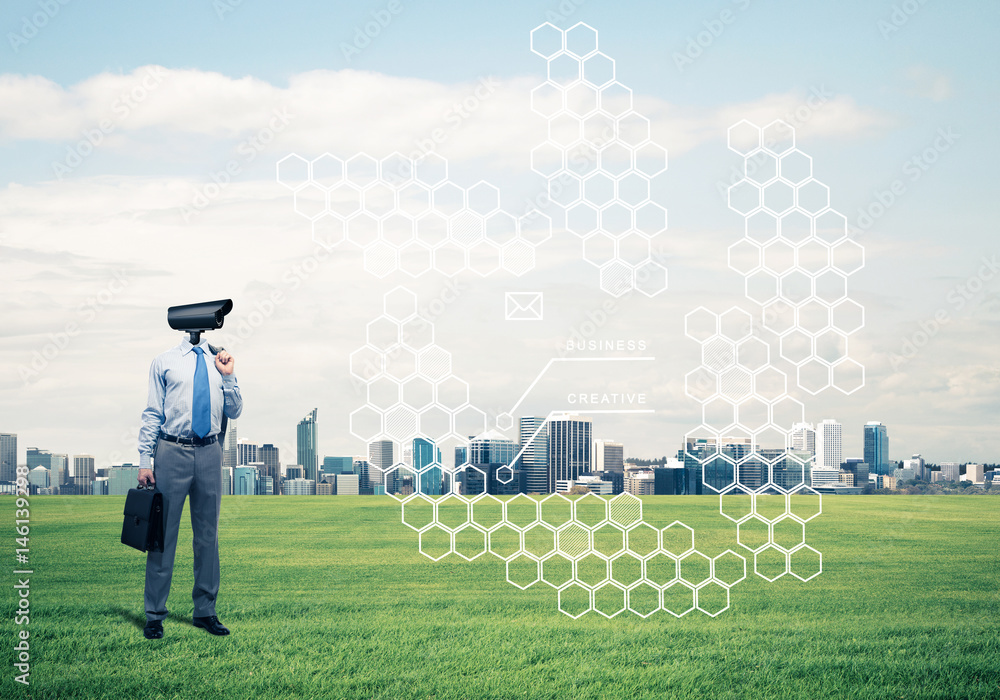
201 403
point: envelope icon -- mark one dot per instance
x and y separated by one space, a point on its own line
523 306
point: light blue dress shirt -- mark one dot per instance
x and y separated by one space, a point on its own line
171 392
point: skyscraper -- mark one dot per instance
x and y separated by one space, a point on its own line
245 481
491 447
425 454
60 469
306 444
877 447
230 456
8 457
829 444
246 452
609 456
534 450
804 438
379 462
269 466
569 448
83 465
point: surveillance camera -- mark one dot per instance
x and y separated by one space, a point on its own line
197 318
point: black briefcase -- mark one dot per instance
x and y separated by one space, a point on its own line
143 526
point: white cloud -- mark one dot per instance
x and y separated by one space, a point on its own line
348 111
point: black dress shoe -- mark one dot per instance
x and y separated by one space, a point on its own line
211 625
153 629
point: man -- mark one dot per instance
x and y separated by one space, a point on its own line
180 430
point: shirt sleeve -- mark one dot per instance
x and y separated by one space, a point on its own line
233 405
152 416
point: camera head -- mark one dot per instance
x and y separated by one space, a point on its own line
198 318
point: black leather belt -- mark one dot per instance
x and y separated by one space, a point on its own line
196 441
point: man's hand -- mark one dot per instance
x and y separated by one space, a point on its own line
146 477
224 362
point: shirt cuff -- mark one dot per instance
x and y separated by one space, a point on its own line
145 461
229 380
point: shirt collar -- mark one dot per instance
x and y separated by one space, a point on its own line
185 347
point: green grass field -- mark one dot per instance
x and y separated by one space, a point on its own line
328 597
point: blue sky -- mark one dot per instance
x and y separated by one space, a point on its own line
895 90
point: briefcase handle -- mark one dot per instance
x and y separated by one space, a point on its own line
146 487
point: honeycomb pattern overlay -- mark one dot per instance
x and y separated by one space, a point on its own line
598 554
409 387
407 215
796 257
598 159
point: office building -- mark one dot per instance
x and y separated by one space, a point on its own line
533 459
361 469
245 480
570 439
829 444
59 470
859 469
609 456
822 476
491 447
269 467
904 474
877 448
804 438
917 466
640 483
974 473
668 479
121 479
427 464
300 487
461 456
84 474
305 440
227 481
380 462
337 465
950 471
246 452
591 482
39 478
8 457
347 484
294 471
230 455
38 458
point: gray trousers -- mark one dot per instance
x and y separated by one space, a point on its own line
180 471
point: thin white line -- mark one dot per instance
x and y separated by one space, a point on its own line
572 359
